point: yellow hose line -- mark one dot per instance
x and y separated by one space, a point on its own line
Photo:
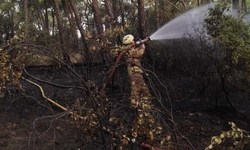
50 100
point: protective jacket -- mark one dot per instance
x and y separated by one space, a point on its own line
139 89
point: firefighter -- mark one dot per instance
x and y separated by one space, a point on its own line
139 90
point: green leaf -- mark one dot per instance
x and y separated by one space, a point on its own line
6 6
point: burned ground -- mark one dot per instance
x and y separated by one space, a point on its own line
28 121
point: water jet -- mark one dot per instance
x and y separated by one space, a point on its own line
186 23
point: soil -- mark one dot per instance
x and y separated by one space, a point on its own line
29 122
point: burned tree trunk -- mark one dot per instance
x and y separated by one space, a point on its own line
82 32
60 27
59 20
97 19
157 14
115 10
109 10
46 17
66 7
53 23
141 17
26 19
78 23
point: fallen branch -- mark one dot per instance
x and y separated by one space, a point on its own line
50 83
48 99
80 117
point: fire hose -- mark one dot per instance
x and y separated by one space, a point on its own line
136 44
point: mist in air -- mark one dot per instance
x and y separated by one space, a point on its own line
186 23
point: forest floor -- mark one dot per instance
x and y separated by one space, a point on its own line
29 122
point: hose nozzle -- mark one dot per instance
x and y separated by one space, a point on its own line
139 42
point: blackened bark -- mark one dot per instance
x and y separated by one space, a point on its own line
157 14
78 23
115 10
67 9
60 27
109 10
122 12
46 17
59 20
97 19
26 19
53 22
141 17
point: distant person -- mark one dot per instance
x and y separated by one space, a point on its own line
139 90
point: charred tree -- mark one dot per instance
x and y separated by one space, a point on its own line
53 22
82 32
109 11
66 7
97 19
141 17
121 6
26 19
59 20
122 12
79 25
157 14
46 17
60 27
115 10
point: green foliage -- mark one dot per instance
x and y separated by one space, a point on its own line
7 6
232 34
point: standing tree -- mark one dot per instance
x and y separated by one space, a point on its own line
141 17
8 20
97 19
26 19
243 6
234 37
157 14
46 16
122 12
80 27
67 10
109 10
60 26
235 4
115 2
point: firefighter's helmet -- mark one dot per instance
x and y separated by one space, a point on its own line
128 39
